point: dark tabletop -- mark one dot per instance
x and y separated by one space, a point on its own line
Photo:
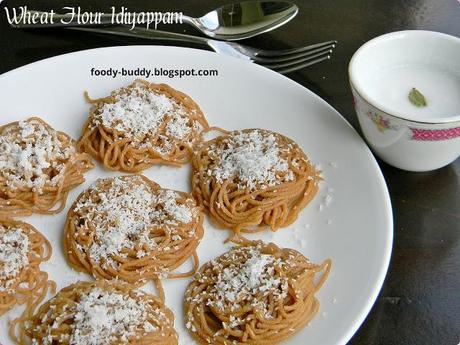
420 300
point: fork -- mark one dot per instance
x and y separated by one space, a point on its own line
281 61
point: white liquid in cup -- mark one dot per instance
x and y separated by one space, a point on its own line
440 87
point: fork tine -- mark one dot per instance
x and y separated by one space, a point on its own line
275 53
295 67
296 56
287 64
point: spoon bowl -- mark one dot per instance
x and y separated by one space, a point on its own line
243 20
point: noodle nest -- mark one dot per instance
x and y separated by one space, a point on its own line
254 178
254 294
38 168
141 125
22 249
104 313
129 228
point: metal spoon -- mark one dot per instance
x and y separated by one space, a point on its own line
229 22
243 20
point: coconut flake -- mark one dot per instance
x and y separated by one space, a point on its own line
245 280
14 249
124 214
102 318
29 151
139 113
253 158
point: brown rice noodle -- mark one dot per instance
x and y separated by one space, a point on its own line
22 249
38 168
102 312
129 228
255 293
253 178
141 125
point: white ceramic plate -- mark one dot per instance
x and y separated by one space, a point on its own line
349 221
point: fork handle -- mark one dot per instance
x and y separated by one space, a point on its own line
147 34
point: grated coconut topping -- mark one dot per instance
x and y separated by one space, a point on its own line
14 248
124 214
140 112
102 318
33 155
252 158
248 278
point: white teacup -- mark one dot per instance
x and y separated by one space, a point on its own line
382 74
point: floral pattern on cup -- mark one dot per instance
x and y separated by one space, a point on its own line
435 134
416 134
381 122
